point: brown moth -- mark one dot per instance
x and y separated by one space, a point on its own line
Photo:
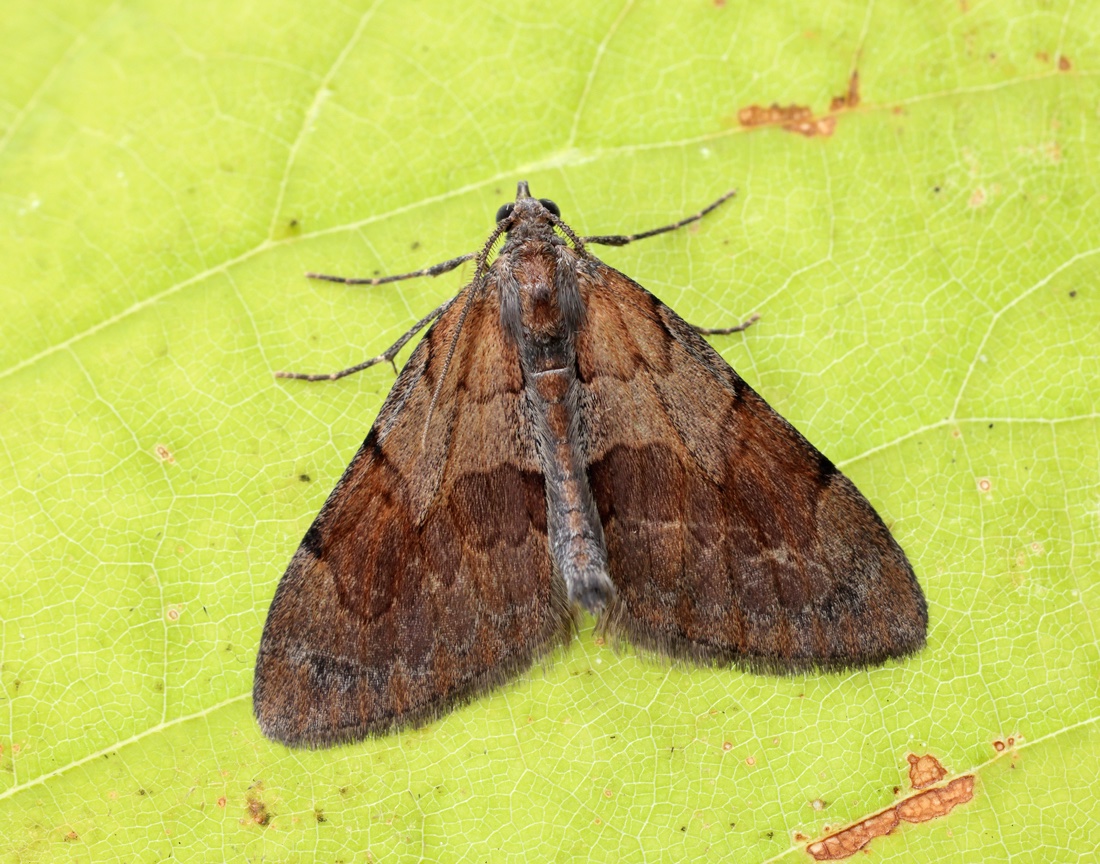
560 438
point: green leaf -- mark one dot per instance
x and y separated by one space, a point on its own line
927 278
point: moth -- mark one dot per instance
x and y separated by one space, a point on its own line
560 440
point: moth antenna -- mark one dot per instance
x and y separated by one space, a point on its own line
568 232
475 286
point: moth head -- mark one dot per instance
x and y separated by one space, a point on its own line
526 204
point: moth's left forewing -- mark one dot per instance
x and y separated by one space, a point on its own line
426 578
731 539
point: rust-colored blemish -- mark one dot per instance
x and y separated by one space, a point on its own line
851 840
255 807
1000 745
1063 63
71 837
924 771
849 99
921 806
935 803
801 119
164 454
794 118
755 115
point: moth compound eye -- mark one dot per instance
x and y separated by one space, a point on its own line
505 211
550 205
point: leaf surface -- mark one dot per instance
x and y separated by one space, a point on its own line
927 278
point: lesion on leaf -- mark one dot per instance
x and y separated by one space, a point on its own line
923 805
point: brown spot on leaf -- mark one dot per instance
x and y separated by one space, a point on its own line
849 99
71 837
801 119
851 840
924 770
754 115
287 228
937 802
255 806
1064 64
921 806
164 454
793 118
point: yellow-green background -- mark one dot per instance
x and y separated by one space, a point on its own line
927 279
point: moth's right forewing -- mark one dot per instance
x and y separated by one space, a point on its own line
730 538
426 578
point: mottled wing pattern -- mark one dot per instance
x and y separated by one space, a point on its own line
426 578
731 539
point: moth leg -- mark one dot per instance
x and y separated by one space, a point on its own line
725 331
434 270
386 355
623 239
